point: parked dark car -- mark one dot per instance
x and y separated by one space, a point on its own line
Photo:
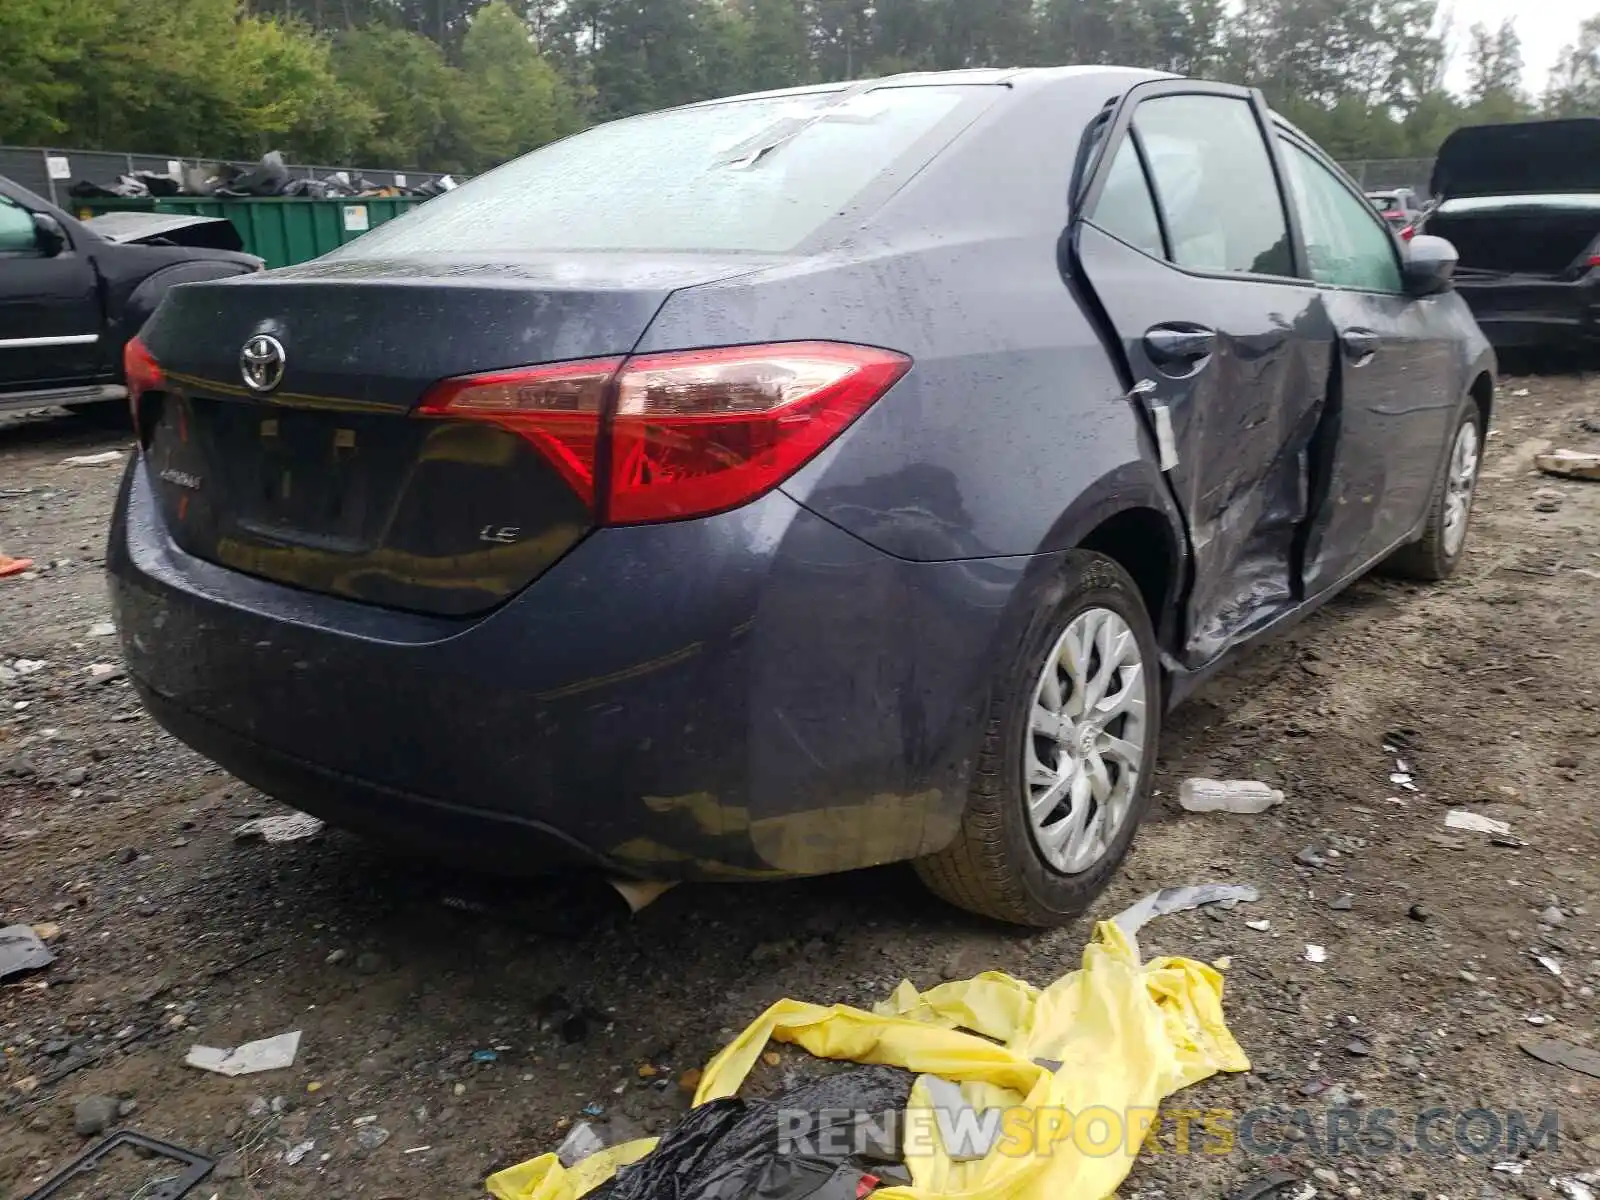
1521 202
792 483
1401 208
73 292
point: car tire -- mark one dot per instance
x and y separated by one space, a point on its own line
1439 551
998 865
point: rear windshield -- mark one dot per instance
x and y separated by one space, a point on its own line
758 175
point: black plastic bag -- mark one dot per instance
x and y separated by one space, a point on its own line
836 1137
269 177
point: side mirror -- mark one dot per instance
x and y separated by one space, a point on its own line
48 234
1430 265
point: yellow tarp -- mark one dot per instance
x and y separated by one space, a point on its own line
1127 1034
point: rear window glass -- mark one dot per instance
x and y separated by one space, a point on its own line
757 175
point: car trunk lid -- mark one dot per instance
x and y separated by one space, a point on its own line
331 481
1520 198
1523 158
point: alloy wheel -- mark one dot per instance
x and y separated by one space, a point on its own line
1459 484
1085 743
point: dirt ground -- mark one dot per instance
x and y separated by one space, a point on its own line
171 932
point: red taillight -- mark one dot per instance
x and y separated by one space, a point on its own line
692 432
709 430
1594 260
1409 232
141 373
557 408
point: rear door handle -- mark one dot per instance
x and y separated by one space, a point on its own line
1360 345
1170 345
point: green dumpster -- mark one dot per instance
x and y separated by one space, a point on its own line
281 229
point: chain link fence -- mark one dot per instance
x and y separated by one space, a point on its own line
50 173
1379 174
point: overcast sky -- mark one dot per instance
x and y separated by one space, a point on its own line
1544 26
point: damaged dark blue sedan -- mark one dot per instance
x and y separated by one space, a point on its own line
793 483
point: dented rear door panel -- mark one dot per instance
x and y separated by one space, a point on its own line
1228 347
1243 422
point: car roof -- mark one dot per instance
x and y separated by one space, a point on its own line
1125 77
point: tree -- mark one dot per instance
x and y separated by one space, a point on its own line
1494 64
1575 83
517 100
462 84
775 45
280 89
640 55
418 101
43 45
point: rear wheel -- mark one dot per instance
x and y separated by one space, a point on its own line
1444 539
1063 779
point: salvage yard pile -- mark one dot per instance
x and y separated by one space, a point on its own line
270 177
1404 784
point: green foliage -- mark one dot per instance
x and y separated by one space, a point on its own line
462 84
516 100
417 99
43 44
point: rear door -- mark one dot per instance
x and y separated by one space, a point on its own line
49 308
1191 252
1393 397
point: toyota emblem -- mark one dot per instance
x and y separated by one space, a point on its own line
261 362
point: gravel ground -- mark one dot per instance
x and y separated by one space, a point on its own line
170 931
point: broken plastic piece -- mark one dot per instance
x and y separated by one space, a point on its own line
1179 899
21 951
294 1154
640 893
1474 822
1244 796
268 1054
947 1099
196 1168
582 1141
1315 953
14 566
1549 964
1275 1185
291 828
1564 1054
105 458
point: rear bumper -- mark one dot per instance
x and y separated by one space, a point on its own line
1529 312
754 694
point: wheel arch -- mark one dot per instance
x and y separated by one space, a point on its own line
1482 392
1129 516
1142 541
